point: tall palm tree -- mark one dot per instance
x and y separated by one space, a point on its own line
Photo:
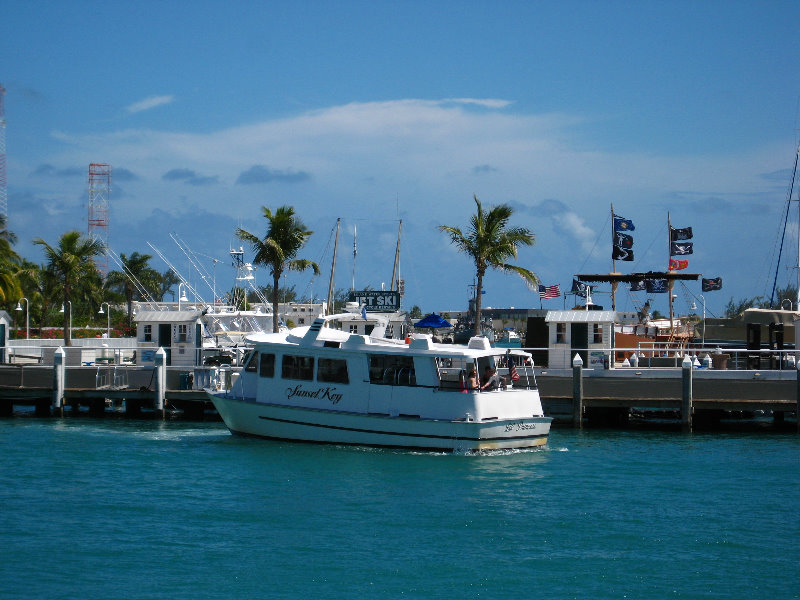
135 273
490 242
71 260
286 235
10 261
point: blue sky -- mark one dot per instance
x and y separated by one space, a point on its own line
380 111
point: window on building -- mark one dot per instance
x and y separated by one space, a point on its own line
298 367
353 328
148 333
597 333
301 321
267 365
183 333
561 333
332 370
388 369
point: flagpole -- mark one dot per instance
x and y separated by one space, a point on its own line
613 262
670 281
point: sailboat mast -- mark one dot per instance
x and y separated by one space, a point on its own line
396 269
333 267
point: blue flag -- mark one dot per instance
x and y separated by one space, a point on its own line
621 224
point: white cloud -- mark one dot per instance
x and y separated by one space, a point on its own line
148 103
360 158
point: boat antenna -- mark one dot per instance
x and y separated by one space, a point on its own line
355 252
333 266
396 270
783 235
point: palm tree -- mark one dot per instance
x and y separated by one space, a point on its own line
72 262
10 289
490 242
135 273
285 236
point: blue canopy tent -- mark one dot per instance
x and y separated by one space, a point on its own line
432 321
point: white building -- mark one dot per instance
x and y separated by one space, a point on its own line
589 333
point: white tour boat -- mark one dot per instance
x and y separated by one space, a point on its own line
320 384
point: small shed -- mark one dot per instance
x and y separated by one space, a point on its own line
589 333
179 332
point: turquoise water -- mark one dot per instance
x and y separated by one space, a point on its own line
144 509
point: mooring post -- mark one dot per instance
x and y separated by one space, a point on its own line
59 372
577 391
161 381
686 396
797 406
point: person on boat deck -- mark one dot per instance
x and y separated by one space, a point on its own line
491 380
472 380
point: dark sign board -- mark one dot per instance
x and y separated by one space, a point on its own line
376 301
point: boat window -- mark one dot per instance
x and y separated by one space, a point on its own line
332 370
388 369
453 371
251 361
298 367
267 366
598 333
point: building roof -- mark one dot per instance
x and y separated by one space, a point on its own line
580 316
167 316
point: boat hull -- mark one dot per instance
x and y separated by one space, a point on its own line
246 417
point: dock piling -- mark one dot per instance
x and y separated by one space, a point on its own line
686 396
577 391
797 404
59 371
161 381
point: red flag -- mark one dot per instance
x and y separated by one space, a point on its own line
512 371
677 265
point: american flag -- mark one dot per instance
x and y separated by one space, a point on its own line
549 291
512 371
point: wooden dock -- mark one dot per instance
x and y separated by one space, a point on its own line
609 396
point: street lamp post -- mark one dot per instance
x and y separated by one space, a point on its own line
70 318
27 316
181 295
108 320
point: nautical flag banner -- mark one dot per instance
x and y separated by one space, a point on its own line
621 224
512 371
656 286
709 285
675 235
638 286
677 265
618 253
579 288
623 240
680 248
549 291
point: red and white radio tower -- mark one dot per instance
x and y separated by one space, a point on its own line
99 192
3 186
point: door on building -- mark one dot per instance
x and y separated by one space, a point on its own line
579 342
537 335
165 340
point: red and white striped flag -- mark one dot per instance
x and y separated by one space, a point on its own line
549 291
512 371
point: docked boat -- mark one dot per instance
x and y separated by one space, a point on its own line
321 384
509 339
